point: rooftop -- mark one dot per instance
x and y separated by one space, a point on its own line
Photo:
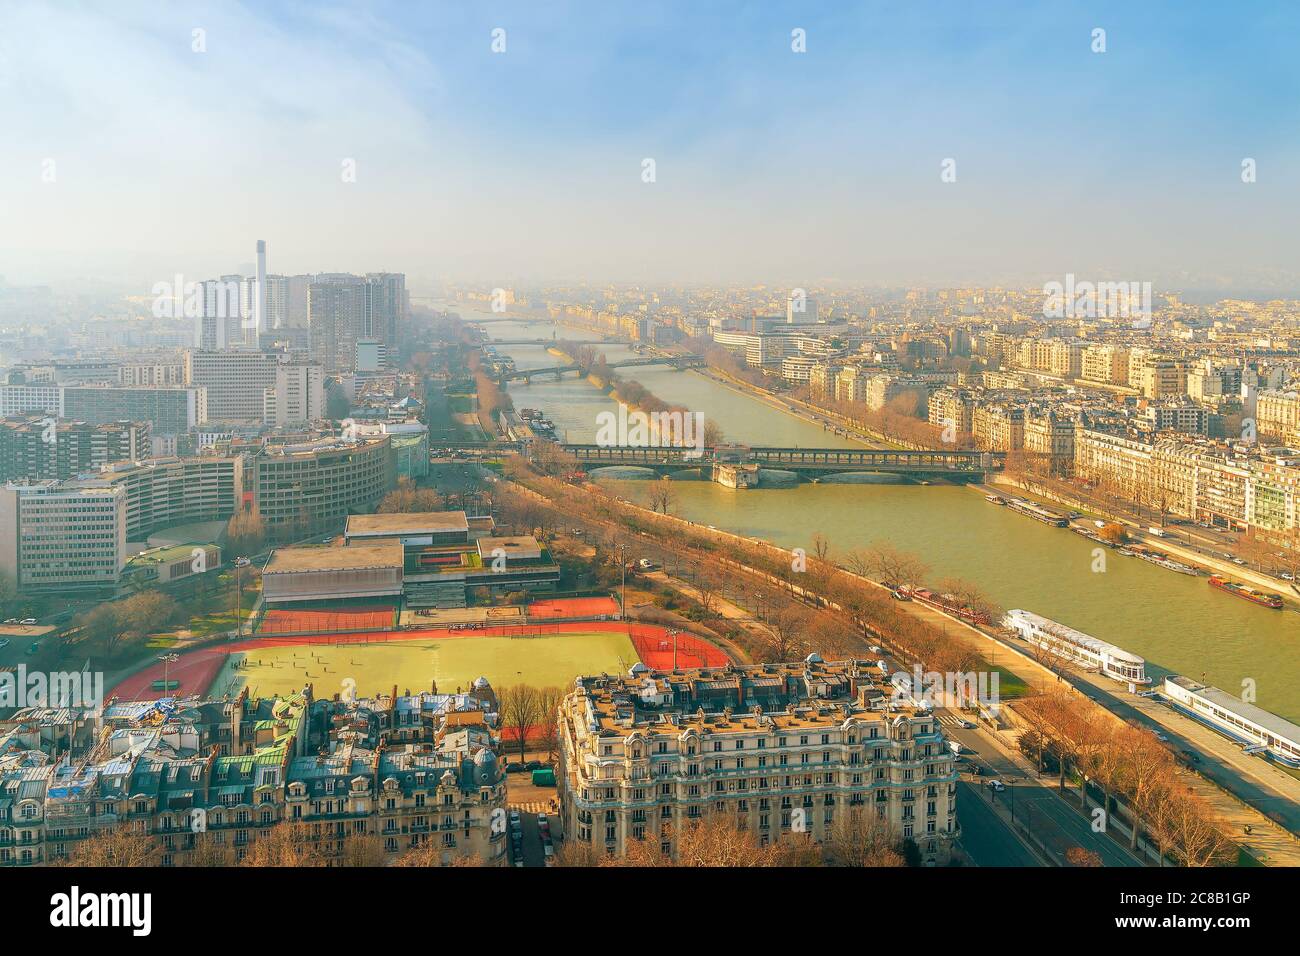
417 522
290 560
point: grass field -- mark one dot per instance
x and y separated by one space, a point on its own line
415 664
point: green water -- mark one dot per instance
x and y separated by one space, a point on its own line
1178 623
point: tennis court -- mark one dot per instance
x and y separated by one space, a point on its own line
589 607
284 620
664 651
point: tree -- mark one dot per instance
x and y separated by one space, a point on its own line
406 498
125 845
895 567
283 845
859 837
709 842
548 715
520 711
662 496
1078 856
245 532
787 626
1113 533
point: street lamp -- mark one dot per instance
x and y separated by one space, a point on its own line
167 659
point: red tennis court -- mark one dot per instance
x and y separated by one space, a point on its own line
573 608
661 651
281 620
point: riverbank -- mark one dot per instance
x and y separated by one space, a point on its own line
1244 791
1139 535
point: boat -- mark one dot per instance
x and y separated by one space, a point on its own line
947 603
1038 513
1252 595
995 499
1127 552
1063 641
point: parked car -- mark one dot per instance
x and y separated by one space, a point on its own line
4 642
29 621
514 818
997 786
12 620
534 765
515 767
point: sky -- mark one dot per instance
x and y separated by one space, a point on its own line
134 148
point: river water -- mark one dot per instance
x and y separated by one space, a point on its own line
1178 623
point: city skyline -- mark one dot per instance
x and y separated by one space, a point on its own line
770 165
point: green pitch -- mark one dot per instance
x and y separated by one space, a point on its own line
415 665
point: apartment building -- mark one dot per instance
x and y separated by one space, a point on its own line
1050 435
22 399
171 410
316 484
162 492
198 774
38 447
1217 483
235 381
152 373
59 535
779 749
999 427
1161 378
1277 415
851 384
1175 416
952 408
1104 364
297 397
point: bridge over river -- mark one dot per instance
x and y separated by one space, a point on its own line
805 461
528 374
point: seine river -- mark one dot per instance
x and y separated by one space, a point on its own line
1178 623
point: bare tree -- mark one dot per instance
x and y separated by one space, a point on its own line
859 837
520 711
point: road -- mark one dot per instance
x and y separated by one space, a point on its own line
985 836
1033 800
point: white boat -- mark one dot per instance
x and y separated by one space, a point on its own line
1065 642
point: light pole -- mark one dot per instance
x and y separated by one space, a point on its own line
167 659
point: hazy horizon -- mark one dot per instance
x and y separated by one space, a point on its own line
133 157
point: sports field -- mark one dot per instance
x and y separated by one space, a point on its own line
452 660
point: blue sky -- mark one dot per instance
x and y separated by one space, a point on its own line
770 165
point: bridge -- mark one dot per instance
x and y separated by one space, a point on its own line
804 461
496 342
558 370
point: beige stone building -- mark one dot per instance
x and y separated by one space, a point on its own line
779 749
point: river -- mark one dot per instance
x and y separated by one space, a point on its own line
1178 623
